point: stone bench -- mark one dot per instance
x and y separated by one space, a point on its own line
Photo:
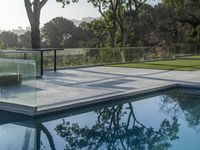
8 79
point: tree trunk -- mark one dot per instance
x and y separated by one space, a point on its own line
35 36
123 43
122 55
113 41
113 32
33 11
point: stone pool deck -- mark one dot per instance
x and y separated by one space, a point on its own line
74 87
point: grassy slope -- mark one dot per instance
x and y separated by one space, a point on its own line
180 65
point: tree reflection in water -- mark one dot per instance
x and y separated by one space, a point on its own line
180 104
117 127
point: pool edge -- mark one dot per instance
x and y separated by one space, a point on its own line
48 109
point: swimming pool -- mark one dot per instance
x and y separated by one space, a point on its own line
159 121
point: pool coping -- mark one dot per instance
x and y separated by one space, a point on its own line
48 109
18 108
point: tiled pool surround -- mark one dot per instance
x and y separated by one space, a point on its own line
71 88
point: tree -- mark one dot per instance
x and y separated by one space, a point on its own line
33 9
58 31
9 39
155 25
25 39
108 11
188 13
144 29
88 38
100 34
118 14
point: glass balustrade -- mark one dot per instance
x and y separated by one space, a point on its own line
18 81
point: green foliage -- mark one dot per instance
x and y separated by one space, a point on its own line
67 2
188 14
57 31
173 2
198 34
101 33
108 18
2 45
8 39
25 39
61 32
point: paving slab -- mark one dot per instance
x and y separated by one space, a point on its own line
73 86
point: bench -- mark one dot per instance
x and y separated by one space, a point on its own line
8 79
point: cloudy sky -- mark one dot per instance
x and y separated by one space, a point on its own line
13 13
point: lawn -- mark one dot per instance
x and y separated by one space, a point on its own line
192 57
179 65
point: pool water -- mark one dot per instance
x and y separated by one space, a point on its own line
158 121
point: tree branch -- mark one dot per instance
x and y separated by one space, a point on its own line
29 10
42 3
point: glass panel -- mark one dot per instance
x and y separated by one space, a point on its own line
76 57
13 54
18 81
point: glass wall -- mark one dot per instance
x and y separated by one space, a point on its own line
13 54
18 81
76 57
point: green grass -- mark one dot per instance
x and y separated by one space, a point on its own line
195 57
179 65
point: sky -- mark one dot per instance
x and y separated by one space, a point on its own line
13 13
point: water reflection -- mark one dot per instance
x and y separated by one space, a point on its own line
14 137
183 103
117 127
154 123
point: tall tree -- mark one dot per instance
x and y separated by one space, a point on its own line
118 13
126 14
108 11
33 9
